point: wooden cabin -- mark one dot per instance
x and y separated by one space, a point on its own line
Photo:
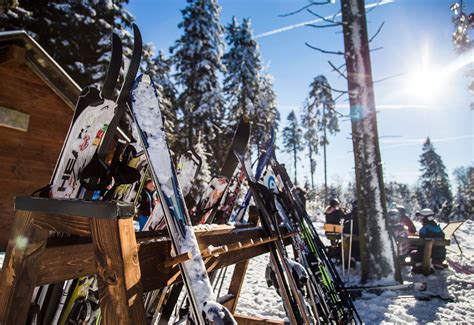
37 100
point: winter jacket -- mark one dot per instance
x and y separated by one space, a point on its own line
333 215
145 207
408 224
432 230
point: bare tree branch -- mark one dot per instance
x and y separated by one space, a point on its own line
337 70
377 49
338 96
331 21
377 32
323 51
306 7
339 91
388 78
323 26
378 2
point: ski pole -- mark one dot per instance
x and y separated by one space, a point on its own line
342 248
350 251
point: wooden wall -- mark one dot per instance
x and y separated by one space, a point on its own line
27 159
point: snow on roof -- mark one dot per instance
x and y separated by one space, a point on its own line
44 65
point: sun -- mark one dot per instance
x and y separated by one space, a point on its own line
425 83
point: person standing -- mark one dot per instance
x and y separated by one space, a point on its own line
148 200
333 213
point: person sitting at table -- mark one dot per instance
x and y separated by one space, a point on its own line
405 220
430 229
399 230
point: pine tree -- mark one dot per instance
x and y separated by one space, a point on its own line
319 117
462 205
463 25
75 33
266 113
292 140
434 180
242 62
249 88
197 57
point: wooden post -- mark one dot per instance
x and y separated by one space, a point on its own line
427 249
118 271
236 284
19 274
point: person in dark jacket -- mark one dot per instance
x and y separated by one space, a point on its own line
430 229
333 213
147 202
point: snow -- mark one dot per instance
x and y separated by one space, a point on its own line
390 307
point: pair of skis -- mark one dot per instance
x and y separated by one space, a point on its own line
288 289
339 304
81 171
147 116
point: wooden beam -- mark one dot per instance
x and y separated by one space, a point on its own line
61 263
119 289
236 284
19 274
13 56
427 249
71 225
252 320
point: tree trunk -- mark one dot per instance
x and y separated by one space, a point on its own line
378 258
295 164
325 161
311 169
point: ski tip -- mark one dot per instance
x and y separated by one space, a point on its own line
113 70
137 37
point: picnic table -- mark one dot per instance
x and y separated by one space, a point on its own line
334 234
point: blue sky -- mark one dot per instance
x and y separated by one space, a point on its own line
416 37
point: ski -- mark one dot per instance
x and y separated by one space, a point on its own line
239 213
322 266
146 114
209 203
419 286
84 171
287 287
188 167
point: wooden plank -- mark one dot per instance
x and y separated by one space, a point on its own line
19 274
252 320
72 225
236 284
13 56
61 263
132 274
428 248
110 271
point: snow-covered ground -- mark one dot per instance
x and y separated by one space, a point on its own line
392 306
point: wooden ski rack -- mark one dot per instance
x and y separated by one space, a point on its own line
104 243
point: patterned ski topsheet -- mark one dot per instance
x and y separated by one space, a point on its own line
147 115
84 138
188 167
